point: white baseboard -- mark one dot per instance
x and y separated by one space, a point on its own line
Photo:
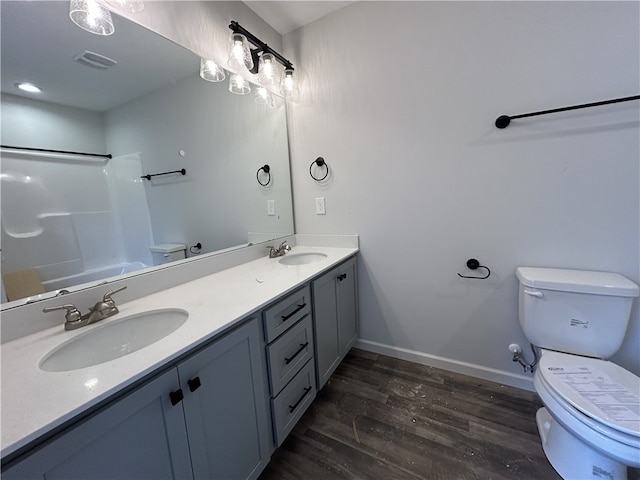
491 374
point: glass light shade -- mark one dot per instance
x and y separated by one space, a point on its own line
239 53
91 16
263 96
211 71
238 85
268 70
288 85
131 6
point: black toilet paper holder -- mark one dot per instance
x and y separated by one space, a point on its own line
473 264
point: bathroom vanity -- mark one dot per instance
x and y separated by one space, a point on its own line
212 399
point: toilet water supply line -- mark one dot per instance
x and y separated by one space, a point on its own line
518 357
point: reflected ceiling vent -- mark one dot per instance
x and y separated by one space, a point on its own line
94 60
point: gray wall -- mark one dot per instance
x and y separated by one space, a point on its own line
400 99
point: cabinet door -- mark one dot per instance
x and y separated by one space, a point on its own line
141 436
347 288
226 407
325 317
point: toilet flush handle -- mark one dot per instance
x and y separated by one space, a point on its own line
533 293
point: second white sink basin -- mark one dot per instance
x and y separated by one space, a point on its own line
302 258
113 340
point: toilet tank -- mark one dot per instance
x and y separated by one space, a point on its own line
575 311
168 252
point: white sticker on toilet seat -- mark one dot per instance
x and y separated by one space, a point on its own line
617 402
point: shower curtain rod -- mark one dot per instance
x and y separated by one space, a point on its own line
503 121
48 150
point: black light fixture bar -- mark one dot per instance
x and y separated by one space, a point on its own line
261 47
504 120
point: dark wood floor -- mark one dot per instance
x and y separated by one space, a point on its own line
386 419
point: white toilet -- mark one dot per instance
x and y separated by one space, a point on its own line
590 422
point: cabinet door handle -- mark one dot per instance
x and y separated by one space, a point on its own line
194 384
287 317
342 276
287 361
295 405
176 397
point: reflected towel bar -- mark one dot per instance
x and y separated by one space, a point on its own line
503 121
148 176
47 150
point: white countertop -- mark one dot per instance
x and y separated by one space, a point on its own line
35 401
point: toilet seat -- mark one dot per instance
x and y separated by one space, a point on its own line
595 388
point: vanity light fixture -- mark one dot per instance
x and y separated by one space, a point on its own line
288 85
211 71
239 53
267 69
91 16
238 85
264 60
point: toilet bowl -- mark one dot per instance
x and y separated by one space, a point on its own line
590 425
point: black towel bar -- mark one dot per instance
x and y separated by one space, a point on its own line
503 121
148 176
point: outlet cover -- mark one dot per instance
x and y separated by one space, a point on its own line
320 206
271 207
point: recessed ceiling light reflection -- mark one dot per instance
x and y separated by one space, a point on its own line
28 87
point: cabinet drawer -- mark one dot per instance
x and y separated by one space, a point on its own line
292 402
289 353
285 313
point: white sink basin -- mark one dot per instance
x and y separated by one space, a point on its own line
302 258
113 340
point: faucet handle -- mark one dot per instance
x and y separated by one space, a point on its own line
284 246
72 315
107 296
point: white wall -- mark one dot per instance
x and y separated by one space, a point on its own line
400 99
37 124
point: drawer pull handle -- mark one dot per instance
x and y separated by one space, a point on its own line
295 405
342 276
287 317
287 361
176 397
194 384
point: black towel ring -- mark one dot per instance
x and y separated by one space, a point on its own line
267 170
320 163
473 264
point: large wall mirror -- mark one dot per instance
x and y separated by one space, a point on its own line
69 219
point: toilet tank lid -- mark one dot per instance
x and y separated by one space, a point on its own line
168 247
577 281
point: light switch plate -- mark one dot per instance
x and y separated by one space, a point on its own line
320 206
271 207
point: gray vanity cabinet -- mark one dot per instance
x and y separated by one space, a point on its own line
335 312
225 407
206 418
139 436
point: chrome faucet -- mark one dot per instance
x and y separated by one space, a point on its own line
101 310
280 251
